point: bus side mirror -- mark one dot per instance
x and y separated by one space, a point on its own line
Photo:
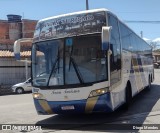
106 33
17 47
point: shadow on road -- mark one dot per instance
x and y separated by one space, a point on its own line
141 106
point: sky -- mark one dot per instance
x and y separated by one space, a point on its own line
130 10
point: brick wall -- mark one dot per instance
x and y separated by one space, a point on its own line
4 29
6 32
28 28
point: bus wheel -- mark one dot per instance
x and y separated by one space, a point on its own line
128 96
149 83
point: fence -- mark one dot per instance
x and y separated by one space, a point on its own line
11 72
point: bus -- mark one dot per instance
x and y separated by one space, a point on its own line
87 62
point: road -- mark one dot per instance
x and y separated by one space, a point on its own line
144 109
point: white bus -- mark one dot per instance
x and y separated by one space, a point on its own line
87 62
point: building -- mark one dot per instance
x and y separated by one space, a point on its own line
156 56
12 71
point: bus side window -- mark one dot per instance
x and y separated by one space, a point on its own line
125 37
116 49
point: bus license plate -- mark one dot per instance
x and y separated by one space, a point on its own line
67 107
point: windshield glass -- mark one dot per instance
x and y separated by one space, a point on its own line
75 60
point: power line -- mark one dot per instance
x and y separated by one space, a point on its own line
142 21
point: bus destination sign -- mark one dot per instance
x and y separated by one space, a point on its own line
70 26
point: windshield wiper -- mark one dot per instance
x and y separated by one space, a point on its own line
54 67
53 70
71 60
77 70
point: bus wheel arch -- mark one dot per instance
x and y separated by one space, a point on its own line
149 81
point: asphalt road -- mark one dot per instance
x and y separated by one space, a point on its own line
145 108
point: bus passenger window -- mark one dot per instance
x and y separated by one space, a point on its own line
116 50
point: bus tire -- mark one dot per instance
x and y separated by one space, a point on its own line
149 83
128 98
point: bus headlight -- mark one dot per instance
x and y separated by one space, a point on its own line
38 96
98 92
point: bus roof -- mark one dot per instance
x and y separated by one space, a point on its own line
74 13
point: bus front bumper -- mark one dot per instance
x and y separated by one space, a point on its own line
100 103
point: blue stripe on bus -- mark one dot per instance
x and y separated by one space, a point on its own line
103 104
39 108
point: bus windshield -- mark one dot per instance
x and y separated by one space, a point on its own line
67 61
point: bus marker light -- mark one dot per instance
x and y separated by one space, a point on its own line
37 96
98 92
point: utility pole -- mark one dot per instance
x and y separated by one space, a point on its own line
141 34
87 5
